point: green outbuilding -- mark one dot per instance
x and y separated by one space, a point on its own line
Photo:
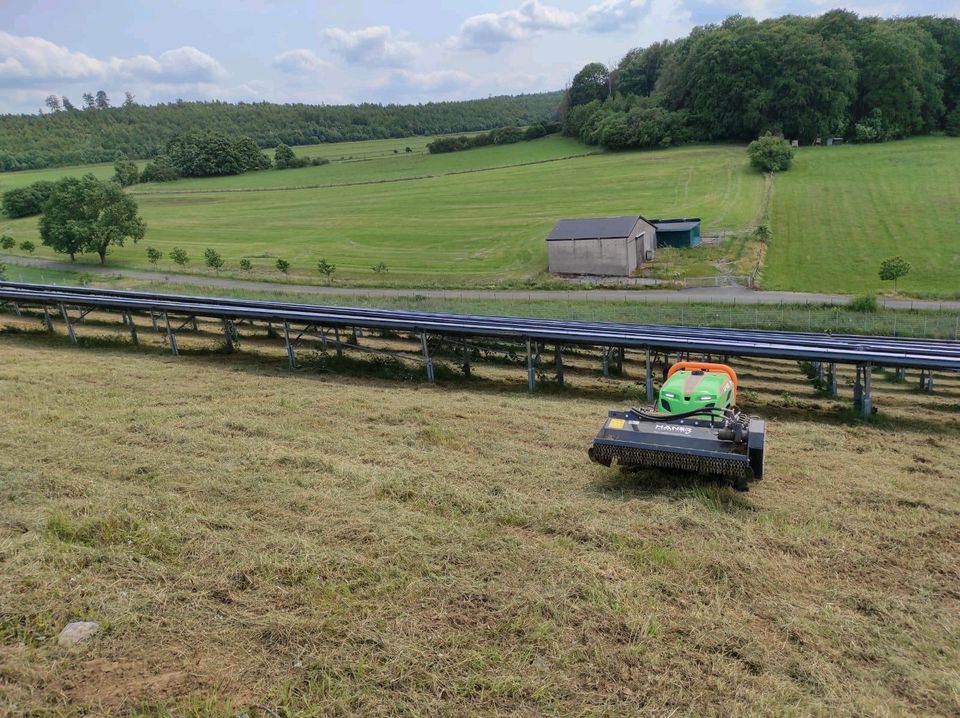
683 232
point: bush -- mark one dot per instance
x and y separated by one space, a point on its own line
246 265
161 169
125 173
3 270
207 153
770 154
380 268
866 303
283 265
7 242
26 201
212 259
325 268
892 268
179 256
154 255
28 246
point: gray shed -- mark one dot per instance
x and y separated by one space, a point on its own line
610 246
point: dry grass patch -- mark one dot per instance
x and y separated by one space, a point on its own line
327 543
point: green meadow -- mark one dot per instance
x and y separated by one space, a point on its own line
470 218
841 210
478 218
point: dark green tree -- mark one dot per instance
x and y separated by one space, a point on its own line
28 246
26 201
85 214
591 83
283 265
7 242
283 157
179 256
154 255
246 265
160 170
103 102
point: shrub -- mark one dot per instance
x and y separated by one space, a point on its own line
865 303
770 154
28 246
246 265
126 173
154 255
26 201
161 169
283 265
325 268
7 242
380 268
212 259
952 122
762 232
179 256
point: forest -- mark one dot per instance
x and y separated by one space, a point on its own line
101 133
835 75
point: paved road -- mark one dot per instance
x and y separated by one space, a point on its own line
719 295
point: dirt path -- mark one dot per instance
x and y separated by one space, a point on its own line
718 295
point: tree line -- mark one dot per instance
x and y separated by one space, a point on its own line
836 75
101 133
499 136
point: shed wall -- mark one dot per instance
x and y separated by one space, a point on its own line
611 257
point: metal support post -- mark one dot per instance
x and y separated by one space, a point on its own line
291 355
153 321
649 381
66 318
228 335
132 327
466 359
353 337
531 374
47 319
858 389
171 337
558 362
926 381
819 370
901 375
336 336
619 351
426 355
866 401
323 339
832 380
193 323
16 309
606 361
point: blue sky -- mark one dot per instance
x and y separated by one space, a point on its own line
337 52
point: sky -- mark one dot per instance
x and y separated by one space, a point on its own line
330 52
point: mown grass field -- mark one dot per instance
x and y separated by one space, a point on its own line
841 210
469 228
331 542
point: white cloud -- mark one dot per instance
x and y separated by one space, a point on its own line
373 46
299 62
615 15
490 31
34 60
404 82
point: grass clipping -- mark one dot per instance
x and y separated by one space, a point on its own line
323 544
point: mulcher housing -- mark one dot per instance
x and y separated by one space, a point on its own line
705 433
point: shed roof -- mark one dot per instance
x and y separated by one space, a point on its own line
675 225
596 228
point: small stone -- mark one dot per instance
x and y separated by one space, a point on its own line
74 633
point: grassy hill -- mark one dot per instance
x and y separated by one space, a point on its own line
408 549
431 219
841 210
479 217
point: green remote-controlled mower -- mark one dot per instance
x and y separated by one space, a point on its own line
695 426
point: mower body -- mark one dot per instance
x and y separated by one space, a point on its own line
695 426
